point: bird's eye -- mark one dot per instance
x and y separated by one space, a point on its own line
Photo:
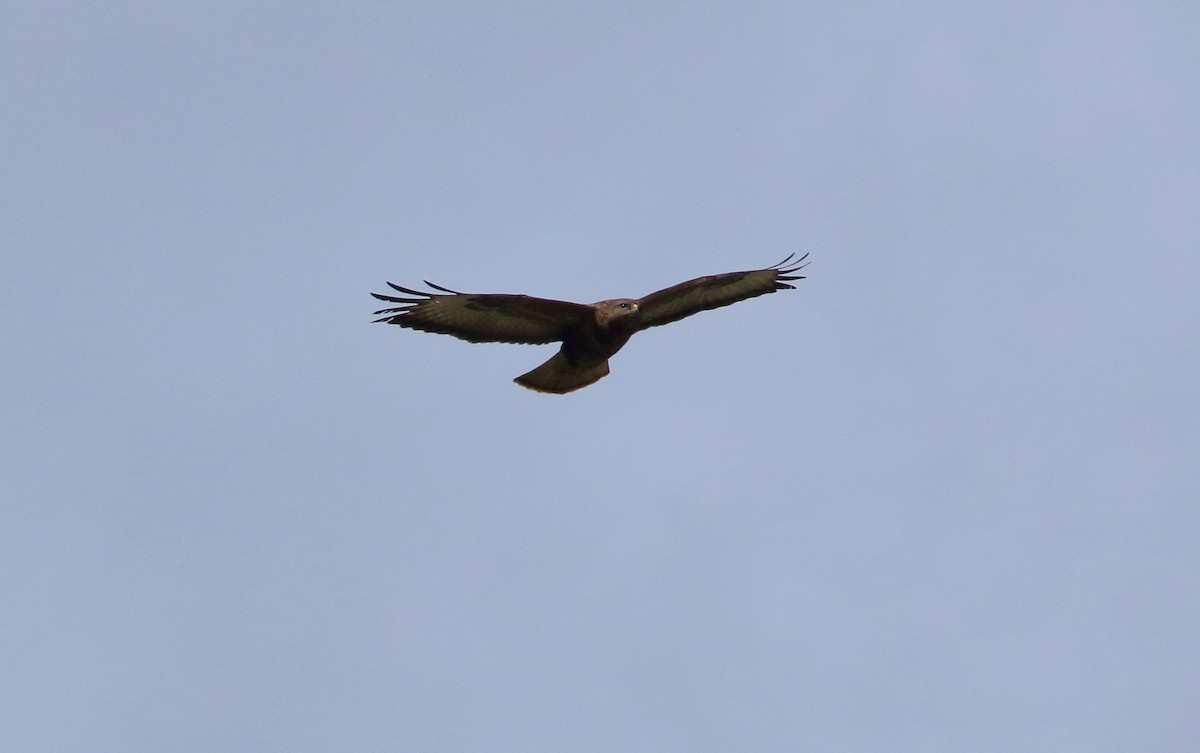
624 305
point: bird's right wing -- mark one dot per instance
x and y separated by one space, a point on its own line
703 293
483 317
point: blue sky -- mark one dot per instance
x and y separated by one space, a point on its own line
943 496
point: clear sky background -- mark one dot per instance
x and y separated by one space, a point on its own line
945 496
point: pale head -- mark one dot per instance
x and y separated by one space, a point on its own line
619 313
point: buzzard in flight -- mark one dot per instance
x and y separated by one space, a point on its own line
590 333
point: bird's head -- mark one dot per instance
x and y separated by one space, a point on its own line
619 312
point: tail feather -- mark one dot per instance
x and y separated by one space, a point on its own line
559 376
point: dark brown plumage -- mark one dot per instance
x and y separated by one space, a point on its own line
590 333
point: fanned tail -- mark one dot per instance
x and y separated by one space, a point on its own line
559 376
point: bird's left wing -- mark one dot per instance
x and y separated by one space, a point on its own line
703 293
483 317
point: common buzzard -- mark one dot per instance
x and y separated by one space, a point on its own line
590 333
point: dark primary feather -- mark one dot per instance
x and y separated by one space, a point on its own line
703 293
482 317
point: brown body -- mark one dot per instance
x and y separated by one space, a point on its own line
583 357
590 334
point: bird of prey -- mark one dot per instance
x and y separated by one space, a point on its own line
590 333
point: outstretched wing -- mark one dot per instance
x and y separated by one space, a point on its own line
480 318
703 293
